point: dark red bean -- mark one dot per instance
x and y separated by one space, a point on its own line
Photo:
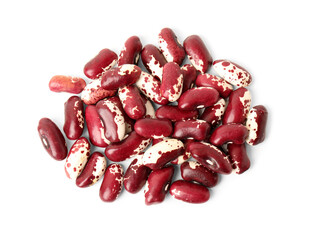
222 86
174 114
172 82
238 157
183 158
60 83
189 75
256 124
214 113
74 118
153 128
131 51
229 133
197 129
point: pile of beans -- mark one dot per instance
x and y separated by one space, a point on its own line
202 116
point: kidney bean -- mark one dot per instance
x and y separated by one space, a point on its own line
130 146
207 80
239 158
233 73
153 60
112 183
211 157
172 82
77 158
189 192
150 111
163 152
93 171
197 129
238 106
256 124
174 114
136 175
60 83
104 61
93 92
52 139
195 171
229 133
214 113
132 101
157 185
74 119
157 140
151 88
183 158
171 48
153 128
198 98
131 51
112 118
121 76
198 53
189 76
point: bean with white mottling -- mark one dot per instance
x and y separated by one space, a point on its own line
74 118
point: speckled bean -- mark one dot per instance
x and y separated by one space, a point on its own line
214 113
61 83
131 51
172 81
74 118
189 76
197 129
207 80
238 157
256 124
229 133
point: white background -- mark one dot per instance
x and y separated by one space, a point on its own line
275 40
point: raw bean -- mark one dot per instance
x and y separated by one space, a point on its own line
74 118
239 158
60 83
229 133
195 171
112 183
153 60
200 97
233 73
77 158
256 124
174 114
171 48
214 113
52 139
130 146
150 111
93 171
136 175
157 140
207 80
238 106
172 82
197 129
121 76
197 53
189 192
153 128
163 152
93 92
183 158
157 185
189 75
131 51
211 157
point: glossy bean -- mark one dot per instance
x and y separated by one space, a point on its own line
186 155
131 51
222 86
172 82
256 124
153 128
174 114
149 109
229 133
189 76
74 118
214 113
197 129
238 157
61 83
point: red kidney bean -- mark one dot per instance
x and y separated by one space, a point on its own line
207 80
200 97
136 175
214 113
238 106
189 192
74 118
153 60
132 102
211 157
195 171
198 53
163 152
112 118
157 140
183 158
104 61
93 92
60 83
239 158
52 139
256 124
229 133
131 51
77 158
121 76
151 87
197 129
153 128
112 183
172 81
233 73
171 48
174 114
150 111
130 146
189 75
157 185
93 171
